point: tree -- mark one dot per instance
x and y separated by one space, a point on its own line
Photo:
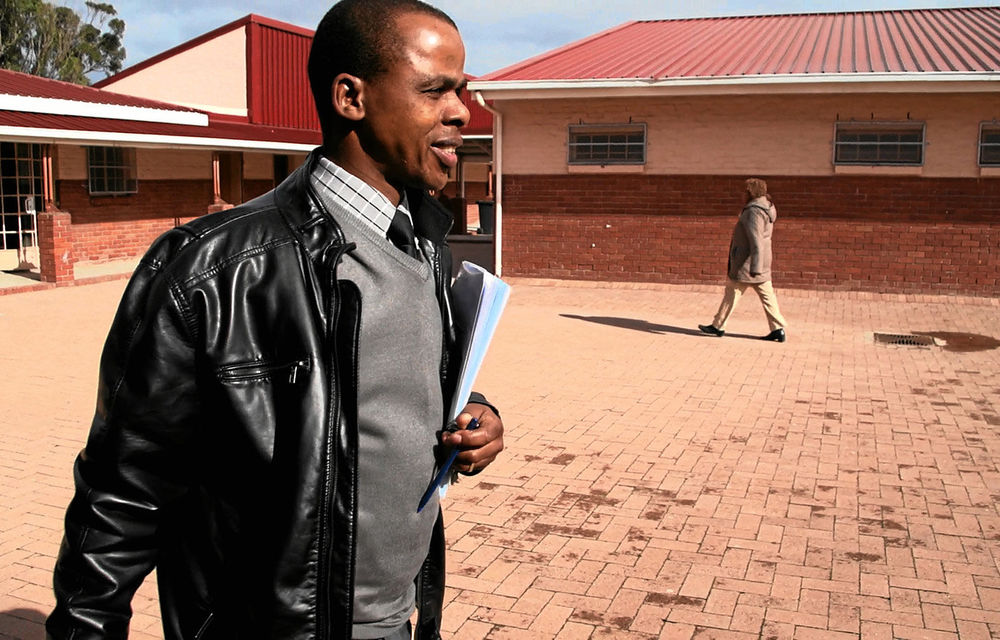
42 39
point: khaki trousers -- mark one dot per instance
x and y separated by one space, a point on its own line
732 295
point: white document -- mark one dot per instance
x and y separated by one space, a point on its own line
479 298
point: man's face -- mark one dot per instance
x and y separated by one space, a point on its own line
412 111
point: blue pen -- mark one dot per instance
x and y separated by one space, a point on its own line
444 471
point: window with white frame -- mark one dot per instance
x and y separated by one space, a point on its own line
879 143
111 171
989 145
607 143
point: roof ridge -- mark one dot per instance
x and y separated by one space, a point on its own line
558 50
794 14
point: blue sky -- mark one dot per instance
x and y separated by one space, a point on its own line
497 33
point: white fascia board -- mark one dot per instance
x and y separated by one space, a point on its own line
61 107
224 111
108 138
937 82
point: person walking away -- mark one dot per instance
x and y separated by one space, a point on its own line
750 263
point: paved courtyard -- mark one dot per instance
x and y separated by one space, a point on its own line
657 483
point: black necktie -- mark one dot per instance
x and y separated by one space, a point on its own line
401 234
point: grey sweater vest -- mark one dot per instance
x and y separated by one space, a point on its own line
400 409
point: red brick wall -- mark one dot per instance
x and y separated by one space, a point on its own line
115 227
54 246
884 234
473 191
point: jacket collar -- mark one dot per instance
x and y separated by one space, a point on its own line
430 219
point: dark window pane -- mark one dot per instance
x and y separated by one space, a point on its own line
871 146
613 146
111 170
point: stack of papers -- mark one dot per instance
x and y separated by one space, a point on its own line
479 298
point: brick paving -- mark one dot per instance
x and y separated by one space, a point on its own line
657 483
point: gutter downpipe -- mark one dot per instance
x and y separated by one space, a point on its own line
498 189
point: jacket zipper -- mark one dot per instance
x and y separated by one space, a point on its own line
443 303
331 259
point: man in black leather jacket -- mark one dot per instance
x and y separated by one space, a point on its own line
242 419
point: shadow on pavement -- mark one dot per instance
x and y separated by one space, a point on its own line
649 327
962 342
22 624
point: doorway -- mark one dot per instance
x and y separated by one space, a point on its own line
231 176
20 199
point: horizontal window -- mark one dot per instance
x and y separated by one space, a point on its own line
879 144
989 145
607 144
111 171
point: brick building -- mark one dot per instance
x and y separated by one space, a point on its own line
621 156
95 174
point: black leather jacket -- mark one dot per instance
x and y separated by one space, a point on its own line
218 453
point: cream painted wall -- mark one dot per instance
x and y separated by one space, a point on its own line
770 135
258 166
173 164
151 164
212 76
70 163
476 171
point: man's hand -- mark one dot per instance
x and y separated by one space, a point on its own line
480 446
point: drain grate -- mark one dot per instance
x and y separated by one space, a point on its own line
905 339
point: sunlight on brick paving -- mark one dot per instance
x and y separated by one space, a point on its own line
657 483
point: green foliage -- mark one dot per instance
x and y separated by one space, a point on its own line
52 41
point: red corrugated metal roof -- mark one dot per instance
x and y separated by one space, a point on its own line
22 84
911 41
216 129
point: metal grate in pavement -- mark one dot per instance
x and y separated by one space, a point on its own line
904 339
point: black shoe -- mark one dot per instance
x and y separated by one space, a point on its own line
711 330
778 335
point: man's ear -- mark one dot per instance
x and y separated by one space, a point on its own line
347 94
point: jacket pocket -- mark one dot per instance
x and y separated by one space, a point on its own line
257 371
255 397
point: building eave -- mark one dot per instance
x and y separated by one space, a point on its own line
151 141
942 82
62 107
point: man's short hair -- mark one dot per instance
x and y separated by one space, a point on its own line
756 187
358 37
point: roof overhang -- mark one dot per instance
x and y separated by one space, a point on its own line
62 107
149 141
943 82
